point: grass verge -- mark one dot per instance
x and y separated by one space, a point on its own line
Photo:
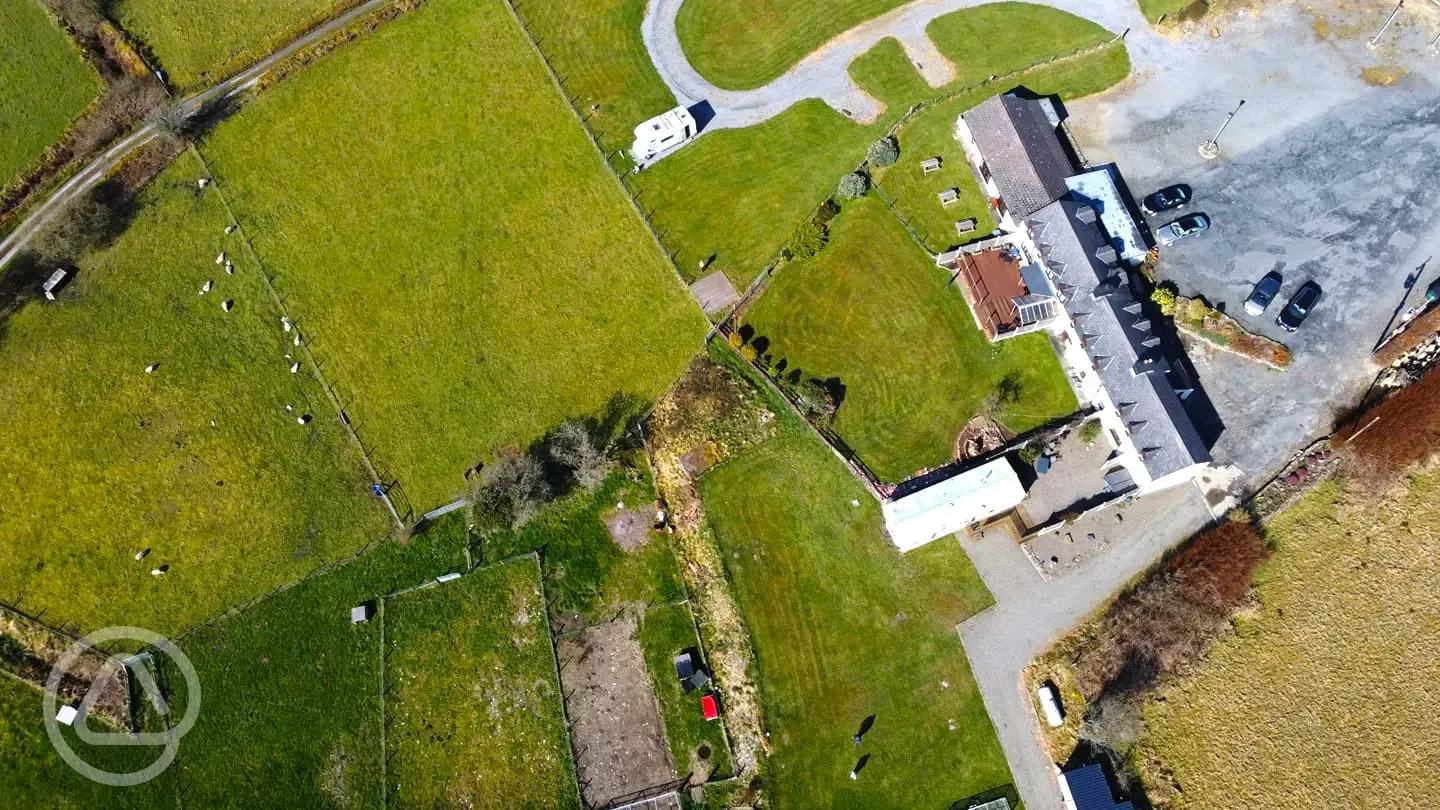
873 314
474 715
44 84
478 280
845 627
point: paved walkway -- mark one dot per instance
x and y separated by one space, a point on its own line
824 74
1030 614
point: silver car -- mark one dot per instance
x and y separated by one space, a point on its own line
1182 228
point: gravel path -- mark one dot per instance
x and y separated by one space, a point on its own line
824 73
1030 614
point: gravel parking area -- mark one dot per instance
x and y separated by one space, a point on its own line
1327 173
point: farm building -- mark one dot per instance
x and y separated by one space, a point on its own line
1087 789
955 503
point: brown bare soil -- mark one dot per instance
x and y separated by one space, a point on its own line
629 528
981 436
615 721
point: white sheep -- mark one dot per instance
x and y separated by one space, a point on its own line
229 229
156 572
203 182
229 268
228 304
150 369
142 554
304 419
221 258
205 288
294 368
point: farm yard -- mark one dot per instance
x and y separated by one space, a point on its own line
45 84
200 461
199 42
875 315
1311 683
844 627
474 716
734 196
463 299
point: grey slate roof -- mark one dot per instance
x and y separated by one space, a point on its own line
1117 335
1022 149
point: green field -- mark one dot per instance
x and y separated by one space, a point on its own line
845 627
590 577
474 716
200 42
1155 9
737 194
596 49
874 311
664 633
467 267
199 461
44 84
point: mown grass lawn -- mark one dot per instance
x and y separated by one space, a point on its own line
738 194
474 712
664 633
874 311
291 689
200 42
589 575
845 627
1325 695
199 462
596 48
1155 9
44 84
467 267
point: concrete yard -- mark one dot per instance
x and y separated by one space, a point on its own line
1327 173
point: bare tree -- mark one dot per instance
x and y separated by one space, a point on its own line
574 447
510 492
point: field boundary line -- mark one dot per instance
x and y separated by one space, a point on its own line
384 749
304 345
630 195
555 667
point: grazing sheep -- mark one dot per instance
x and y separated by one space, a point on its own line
203 182
155 572
229 268
294 368
228 304
229 229
204 288
297 338
142 554
286 325
221 258
304 420
150 369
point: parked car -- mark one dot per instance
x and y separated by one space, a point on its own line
1301 303
1265 291
1166 198
1182 228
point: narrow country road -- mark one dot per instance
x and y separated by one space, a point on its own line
824 74
96 170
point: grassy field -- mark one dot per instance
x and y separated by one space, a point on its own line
465 295
874 311
596 49
1155 9
33 776
845 627
664 633
474 714
199 42
739 44
44 84
292 689
1325 696
590 577
199 461
737 194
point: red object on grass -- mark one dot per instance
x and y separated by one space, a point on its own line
709 707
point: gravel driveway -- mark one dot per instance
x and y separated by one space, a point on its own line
1324 176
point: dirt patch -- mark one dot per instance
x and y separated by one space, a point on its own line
981 436
629 528
615 723
28 650
332 779
1382 75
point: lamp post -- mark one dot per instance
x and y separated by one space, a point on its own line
1211 148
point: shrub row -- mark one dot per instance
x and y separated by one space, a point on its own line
1402 430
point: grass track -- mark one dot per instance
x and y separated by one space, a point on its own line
465 294
198 42
44 84
1334 675
873 310
100 460
475 714
845 627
